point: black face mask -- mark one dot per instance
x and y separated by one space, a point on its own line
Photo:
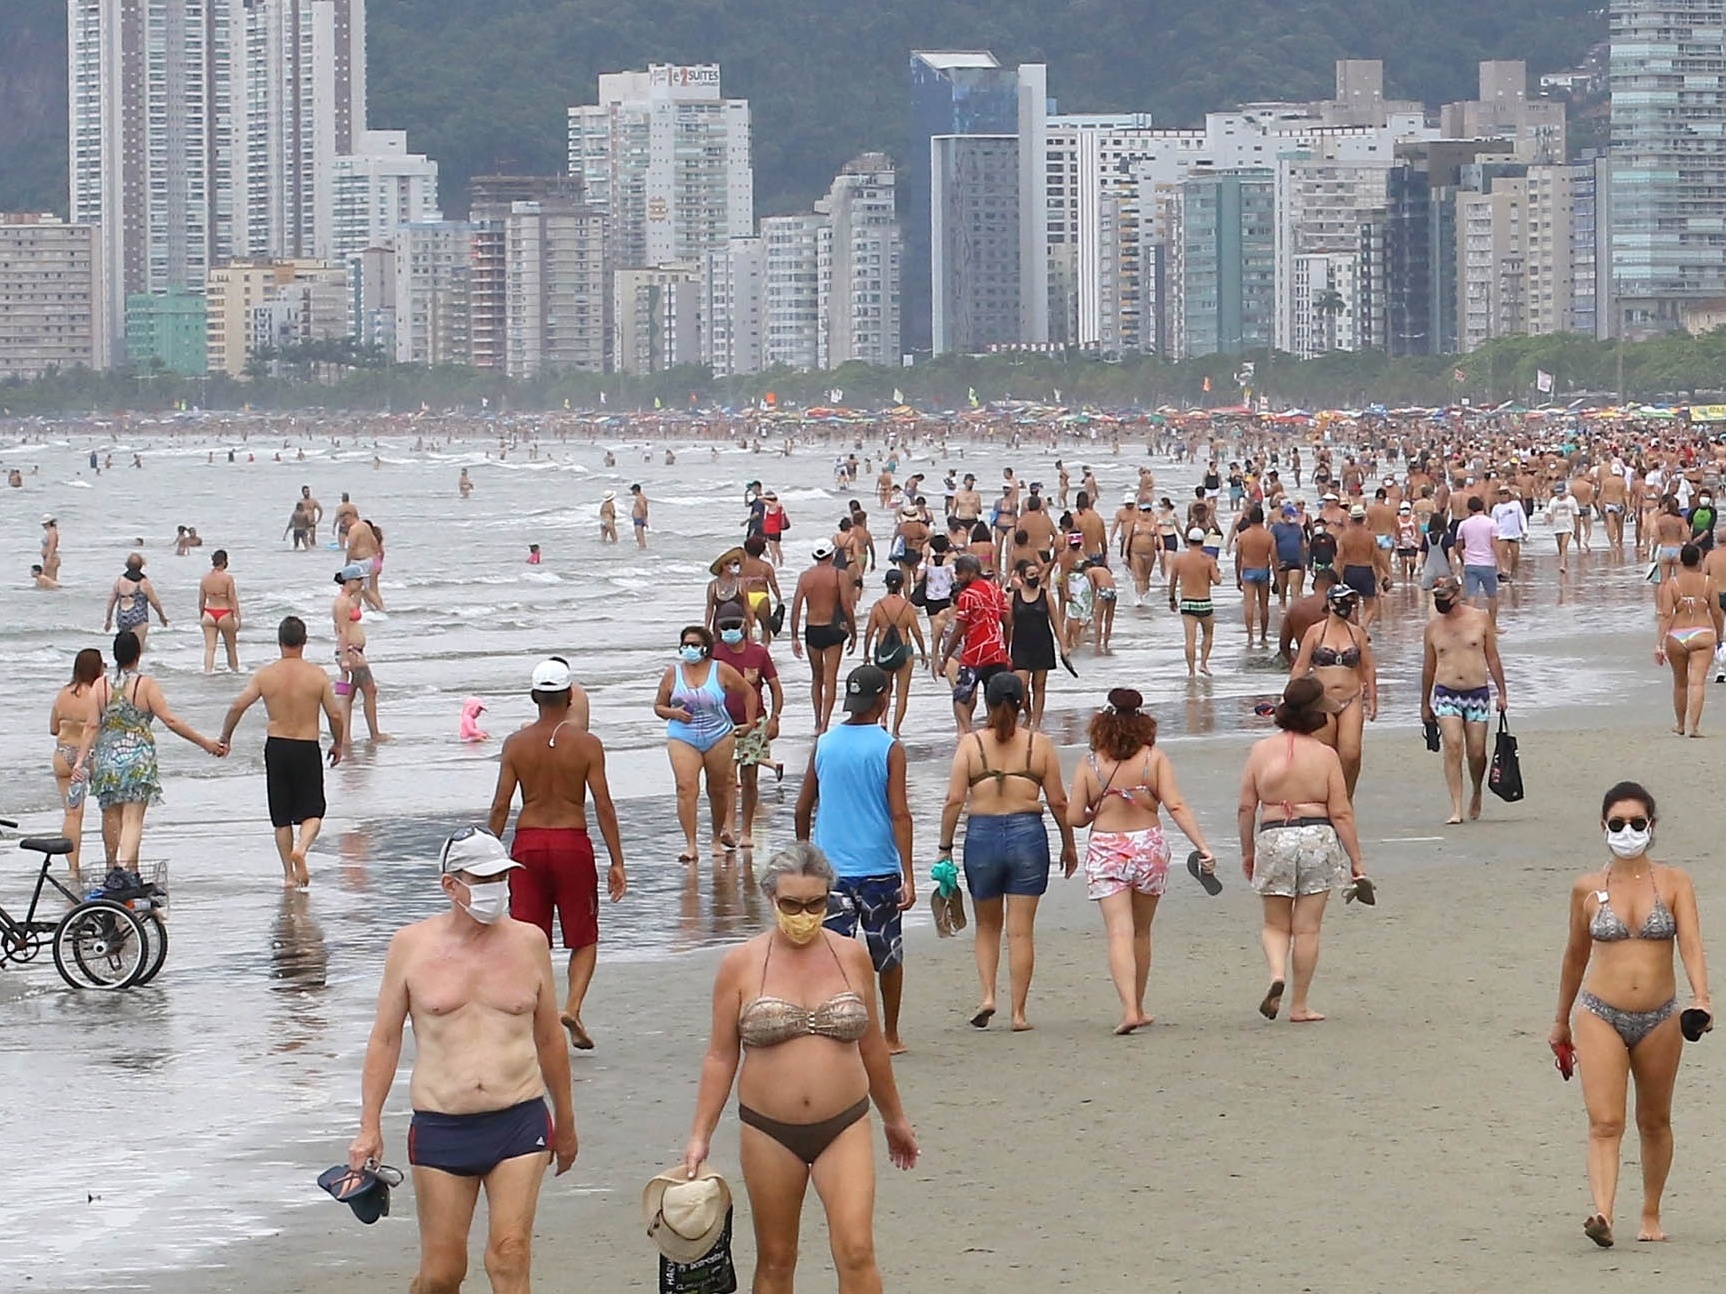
1031 581
1443 605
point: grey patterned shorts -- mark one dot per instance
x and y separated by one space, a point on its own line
1290 861
753 747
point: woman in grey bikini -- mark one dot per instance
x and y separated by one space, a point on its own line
1625 922
796 1008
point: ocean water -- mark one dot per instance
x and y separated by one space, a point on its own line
244 1055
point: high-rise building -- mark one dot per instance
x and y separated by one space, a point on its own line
555 270
1532 128
1323 206
669 160
1222 259
376 191
434 277
145 82
732 307
1668 190
52 313
656 315
791 291
860 276
968 93
976 260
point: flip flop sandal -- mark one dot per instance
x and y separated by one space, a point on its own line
1212 883
1361 888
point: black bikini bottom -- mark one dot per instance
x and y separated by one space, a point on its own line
805 1140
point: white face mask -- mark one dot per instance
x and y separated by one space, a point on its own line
1628 843
487 904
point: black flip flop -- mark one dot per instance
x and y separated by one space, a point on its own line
1361 888
1693 1023
364 1190
1212 883
1068 666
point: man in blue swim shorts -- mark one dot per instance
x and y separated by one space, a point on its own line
1461 656
488 1050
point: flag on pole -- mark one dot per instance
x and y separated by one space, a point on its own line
1458 375
1543 381
898 396
973 397
566 402
602 397
1057 395
658 403
1207 385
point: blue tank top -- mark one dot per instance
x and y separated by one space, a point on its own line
852 825
706 703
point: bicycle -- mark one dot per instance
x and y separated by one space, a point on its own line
103 942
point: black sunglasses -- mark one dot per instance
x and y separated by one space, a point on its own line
808 907
1635 824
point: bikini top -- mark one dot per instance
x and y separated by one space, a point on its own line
1348 657
1002 774
769 1021
1608 927
1127 793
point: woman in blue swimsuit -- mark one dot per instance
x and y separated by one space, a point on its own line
1626 920
700 735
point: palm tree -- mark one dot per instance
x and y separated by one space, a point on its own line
1328 305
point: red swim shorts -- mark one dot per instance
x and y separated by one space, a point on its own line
556 872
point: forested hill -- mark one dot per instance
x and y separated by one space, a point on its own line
482 85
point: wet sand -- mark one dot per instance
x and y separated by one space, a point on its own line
1420 1137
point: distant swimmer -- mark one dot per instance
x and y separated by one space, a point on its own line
219 611
478 988
346 514
464 485
297 695
42 579
533 557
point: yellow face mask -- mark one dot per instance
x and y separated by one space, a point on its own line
801 927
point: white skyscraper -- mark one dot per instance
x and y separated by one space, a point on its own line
375 192
669 160
859 276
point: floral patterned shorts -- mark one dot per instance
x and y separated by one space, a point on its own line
1126 860
1291 861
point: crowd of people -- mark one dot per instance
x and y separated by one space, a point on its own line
990 597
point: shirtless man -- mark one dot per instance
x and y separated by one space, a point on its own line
365 550
479 990
556 762
294 691
219 612
346 514
464 484
821 606
1614 498
638 515
1121 526
1305 612
1381 520
608 518
1192 576
1356 556
51 547
1582 490
315 511
1038 526
1092 526
1255 555
967 503
299 526
40 578
1461 654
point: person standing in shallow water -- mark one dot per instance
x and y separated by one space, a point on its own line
219 612
1626 920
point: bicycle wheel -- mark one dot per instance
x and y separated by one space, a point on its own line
101 945
156 930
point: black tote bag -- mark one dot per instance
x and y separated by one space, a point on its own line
1505 778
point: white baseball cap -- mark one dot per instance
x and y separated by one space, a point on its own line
1196 534
477 852
553 675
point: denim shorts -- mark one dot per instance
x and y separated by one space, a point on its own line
1480 579
1006 853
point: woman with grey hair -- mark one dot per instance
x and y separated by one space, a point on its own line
817 1049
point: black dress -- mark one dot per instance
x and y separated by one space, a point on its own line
1033 635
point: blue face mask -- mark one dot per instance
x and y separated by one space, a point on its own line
731 637
691 655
